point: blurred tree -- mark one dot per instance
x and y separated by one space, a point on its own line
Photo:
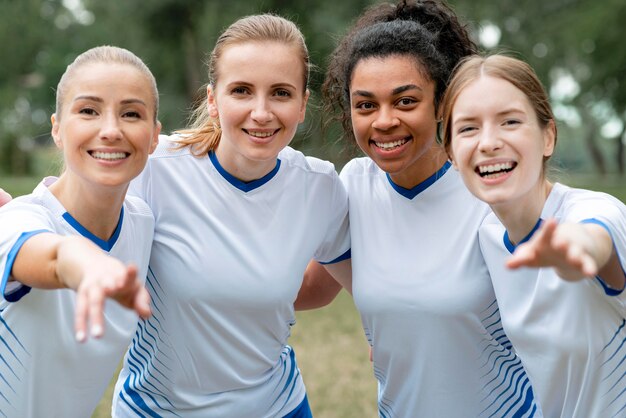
575 45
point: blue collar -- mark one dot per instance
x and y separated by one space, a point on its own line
411 193
105 245
244 186
510 246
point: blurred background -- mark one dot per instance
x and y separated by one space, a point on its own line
576 46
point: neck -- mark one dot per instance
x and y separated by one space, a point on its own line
97 208
425 167
243 168
520 215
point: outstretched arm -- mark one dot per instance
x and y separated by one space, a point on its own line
322 283
77 263
575 250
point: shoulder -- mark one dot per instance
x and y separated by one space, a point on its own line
362 166
168 148
138 217
135 206
296 160
491 219
579 204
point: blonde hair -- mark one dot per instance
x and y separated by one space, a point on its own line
517 72
204 133
105 55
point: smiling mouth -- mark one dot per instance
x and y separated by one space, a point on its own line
495 170
390 145
261 135
109 156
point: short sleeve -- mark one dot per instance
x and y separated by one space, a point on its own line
336 243
18 223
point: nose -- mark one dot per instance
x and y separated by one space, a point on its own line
489 139
385 119
110 129
262 112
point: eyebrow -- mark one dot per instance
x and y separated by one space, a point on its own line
247 84
506 111
100 100
395 91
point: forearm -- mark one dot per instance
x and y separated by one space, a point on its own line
319 287
49 261
605 256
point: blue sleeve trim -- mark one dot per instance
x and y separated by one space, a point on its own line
608 290
344 256
17 294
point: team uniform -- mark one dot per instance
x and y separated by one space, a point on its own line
44 371
226 265
426 300
569 335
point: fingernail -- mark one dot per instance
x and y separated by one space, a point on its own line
96 331
80 336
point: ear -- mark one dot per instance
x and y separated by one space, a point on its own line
155 137
55 131
305 100
549 139
456 167
211 102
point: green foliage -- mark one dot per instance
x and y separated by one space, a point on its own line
38 38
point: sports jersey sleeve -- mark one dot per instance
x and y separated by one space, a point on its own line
18 223
610 213
336 244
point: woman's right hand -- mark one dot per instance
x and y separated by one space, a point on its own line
108 278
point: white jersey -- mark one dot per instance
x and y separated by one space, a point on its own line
226 266
44 371
426 300
570 335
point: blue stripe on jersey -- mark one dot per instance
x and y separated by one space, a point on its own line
243 185
16 295
344 256
9 352
137 400
302 411
385 408
105 245
146 379
139 414
505 380
614 367
411 193
292 377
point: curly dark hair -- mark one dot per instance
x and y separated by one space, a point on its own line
426 30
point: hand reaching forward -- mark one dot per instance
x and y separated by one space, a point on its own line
569 248
107 278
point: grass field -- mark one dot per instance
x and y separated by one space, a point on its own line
329 343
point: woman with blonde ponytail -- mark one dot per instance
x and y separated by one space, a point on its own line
239 214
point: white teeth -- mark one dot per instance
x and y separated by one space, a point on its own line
260 134
494 167
110 156
389 145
